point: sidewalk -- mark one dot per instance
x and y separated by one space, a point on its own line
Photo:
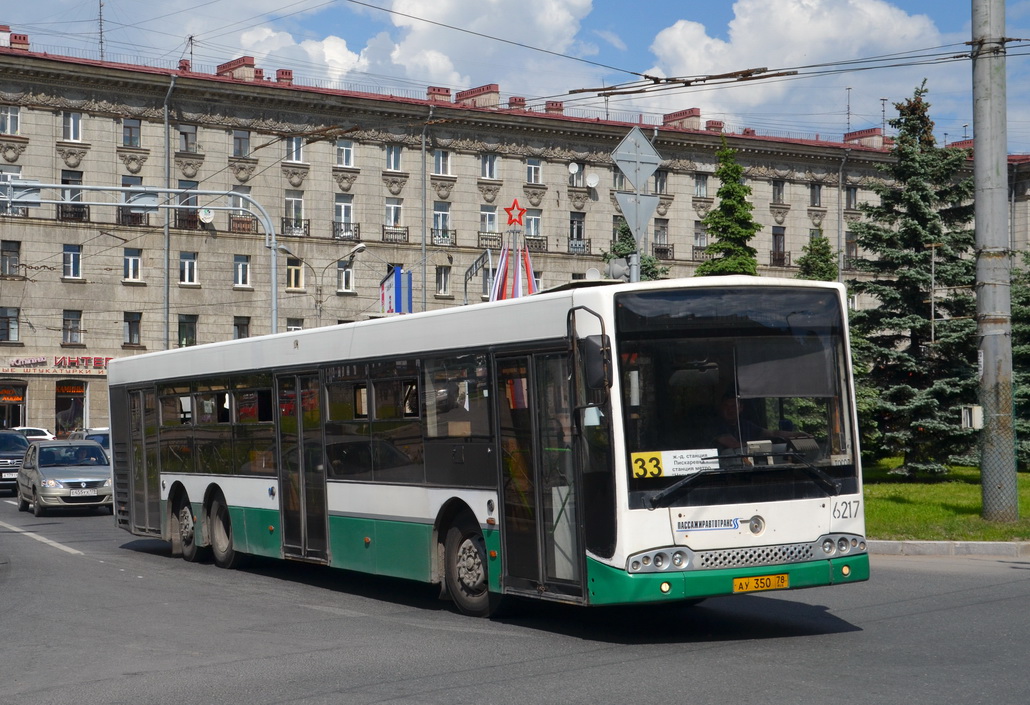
1011 549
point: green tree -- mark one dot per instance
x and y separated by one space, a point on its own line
625 245
918 340
818 261
729 224
1021 360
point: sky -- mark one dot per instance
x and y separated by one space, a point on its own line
854 58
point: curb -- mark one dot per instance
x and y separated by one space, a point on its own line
1011 549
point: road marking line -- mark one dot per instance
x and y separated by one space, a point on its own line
43 539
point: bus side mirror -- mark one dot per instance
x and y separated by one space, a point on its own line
595 353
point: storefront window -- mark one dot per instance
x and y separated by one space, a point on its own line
68 406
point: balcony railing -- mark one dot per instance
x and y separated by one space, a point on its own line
395 233
296 227
490 239
242 223
75 212
346 231
187 220
445 237
10 211
536 243
579 247
779 258
126 216
663 251
698 253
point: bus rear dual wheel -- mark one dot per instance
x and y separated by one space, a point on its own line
219 530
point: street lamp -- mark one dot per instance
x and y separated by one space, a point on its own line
319 300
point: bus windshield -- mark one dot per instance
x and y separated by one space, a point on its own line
734 395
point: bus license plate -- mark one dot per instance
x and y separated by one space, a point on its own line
83 493
779 581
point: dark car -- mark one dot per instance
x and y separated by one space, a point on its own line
64 474
13 445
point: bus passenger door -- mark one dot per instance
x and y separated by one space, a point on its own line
539 494
143 486
302 495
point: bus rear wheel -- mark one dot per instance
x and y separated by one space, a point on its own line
188 532
225 555
465 574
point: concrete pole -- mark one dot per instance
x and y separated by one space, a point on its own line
993 265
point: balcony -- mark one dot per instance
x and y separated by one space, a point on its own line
490 239
187 220
663 251
579 247
126 216
10 211
779 258
242 223
536 243
395 233
346 231
296 227
445 237
698 253
73 212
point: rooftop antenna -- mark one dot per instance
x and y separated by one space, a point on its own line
883 116
848 89
101 8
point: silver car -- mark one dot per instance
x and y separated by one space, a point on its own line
64 474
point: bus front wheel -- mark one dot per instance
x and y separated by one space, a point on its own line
225 555
467 584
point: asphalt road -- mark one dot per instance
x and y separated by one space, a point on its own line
93 615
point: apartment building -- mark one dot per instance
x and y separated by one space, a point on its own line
353 184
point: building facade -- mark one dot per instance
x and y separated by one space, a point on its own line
354 185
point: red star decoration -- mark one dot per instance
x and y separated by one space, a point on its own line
515 213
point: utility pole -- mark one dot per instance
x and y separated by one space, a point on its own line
993 264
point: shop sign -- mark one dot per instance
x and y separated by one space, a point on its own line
87 365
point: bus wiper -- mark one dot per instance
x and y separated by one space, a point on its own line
675 488
828 483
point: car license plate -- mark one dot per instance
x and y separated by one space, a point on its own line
10 475
84 493
779 581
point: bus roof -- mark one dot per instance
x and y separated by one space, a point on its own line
541 317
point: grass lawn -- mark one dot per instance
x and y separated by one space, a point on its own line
937 509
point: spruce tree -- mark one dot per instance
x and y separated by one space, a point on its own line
919 239
1021 360
729 224
818 261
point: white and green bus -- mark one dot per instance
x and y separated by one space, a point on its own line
602 444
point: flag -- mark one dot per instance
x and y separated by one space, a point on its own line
530 274
500 276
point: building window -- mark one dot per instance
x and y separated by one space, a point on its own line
240 327
131 130
661 181
443 280
132 264
188 138
72 265
131 328
72 126
701 185
393 157
343 209
241 143
9 119
851 197
187 330
10 258
344 153
442 162
441 217
294 149
71 327
577 225
661 231
488 219
294 324
344 276
815 195
534 171
700 234
577 174
294 273
393 212
241 270
779 189
779 246
531 221
488 166
294 207
850 247
618 180
8 324
187 267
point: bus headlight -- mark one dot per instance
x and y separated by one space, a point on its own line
843 545
678 559
829 546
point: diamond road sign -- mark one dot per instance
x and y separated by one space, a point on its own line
637 158
637 209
